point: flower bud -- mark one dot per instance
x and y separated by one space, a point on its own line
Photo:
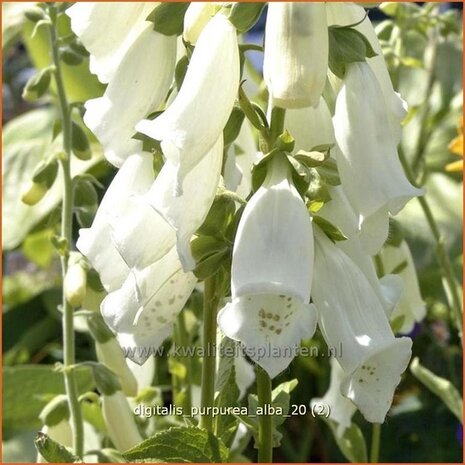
34 14
33 193
37 85
119 421
46 173
55 411
296 53
80 143
75 285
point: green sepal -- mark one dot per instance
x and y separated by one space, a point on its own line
210 254
106 381
55 411
250 112
180 71
285 142
347 45
333 232
52 451
244 16
168 18
37 85
395 235
98 329
233 126
80 143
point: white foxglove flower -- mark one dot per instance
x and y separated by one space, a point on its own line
108 30
310 126
138 87
172 219
110 354
296 53
341 409
411 307
346 14
339 212
368 164
120 422
351 316
143 310
192 124
271 274
134 178
196 18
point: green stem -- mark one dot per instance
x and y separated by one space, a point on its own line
210 306
265 422
66 232
450 282
375 442
277 122
182 338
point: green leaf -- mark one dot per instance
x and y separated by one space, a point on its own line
28 388
351 443
334 233
245 15
347 45
233 126
181 70
180 444
52 451
442 387
168 18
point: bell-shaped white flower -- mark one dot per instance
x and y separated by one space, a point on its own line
341 409
108 30
138 87
351 316
272 268
296 53
411 307
172 219
368 164
134 178
348 13
143 310
310 126
196 18
339 212
194 121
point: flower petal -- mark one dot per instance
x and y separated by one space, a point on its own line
368 163
134 177
270 327
273 249
296 53
137 88
193 122
197 16
107 30
351 316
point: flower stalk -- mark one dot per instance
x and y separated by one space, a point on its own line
265 425
375 441
66 233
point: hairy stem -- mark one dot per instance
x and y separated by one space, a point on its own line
66 232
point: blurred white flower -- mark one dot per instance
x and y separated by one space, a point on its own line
271 274
296 53
351 316
194 121
341 409
411 307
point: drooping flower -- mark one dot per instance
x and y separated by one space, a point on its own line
193 122
107 30
367 158
271 274
138 87
411 307
296 53
341 409
197 16
143 310
351 316
172 219
348 13
134 178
